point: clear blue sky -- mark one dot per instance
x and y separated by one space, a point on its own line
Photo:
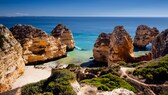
145 8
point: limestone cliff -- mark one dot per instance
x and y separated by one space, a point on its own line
37 45
160 45
144 36
62 32
101 47
12 64
121 46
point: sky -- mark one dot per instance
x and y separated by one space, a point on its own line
109 8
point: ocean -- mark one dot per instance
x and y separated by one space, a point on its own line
86 30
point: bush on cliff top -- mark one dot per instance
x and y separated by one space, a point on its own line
156 70
57 84
109 82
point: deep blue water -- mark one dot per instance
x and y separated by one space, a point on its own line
86 29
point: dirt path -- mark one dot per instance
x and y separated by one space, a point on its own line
124 73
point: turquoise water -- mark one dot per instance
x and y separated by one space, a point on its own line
86 29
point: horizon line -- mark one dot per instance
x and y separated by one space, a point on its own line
94 16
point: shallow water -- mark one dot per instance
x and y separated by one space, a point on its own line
86 30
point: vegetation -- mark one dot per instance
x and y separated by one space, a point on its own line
122 63
57 84
155 70
109 82
104 70
2 27
72 66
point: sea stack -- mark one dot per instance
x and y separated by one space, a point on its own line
12 64
144 36
121 46
37 45
101 48
160 45
62 32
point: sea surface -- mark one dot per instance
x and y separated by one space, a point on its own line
86 30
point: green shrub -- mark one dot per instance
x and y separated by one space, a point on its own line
109 82
155 70
72 66
57 84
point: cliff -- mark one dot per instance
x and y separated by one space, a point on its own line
160 45
62 32
37 45
144 36
12 64
101 48
121 47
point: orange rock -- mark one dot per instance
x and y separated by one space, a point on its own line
101 48
121 46
65 35
12 64
37 45
144 36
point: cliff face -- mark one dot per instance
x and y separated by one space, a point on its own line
160 45
121 46
144 36
11 62
115 47
101 47
37 45
62 32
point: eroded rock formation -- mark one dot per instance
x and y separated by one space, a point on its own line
37 45
62 32
160 45
121 46
101 48
144 36
12 64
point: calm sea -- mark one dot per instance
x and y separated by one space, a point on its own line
86 29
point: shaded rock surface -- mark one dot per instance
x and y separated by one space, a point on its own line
144 36
37 45
146 57
12 64
160 45
101 47
121 46
62 32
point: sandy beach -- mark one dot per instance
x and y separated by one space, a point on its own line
31 75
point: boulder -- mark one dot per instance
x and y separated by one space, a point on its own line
37 45
12 64
101 48
62 32
121 46
144 36
160 45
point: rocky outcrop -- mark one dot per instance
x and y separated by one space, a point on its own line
144 36
160 45
116 47
12 64
37 45
62 32
121 46
101 48
145 57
